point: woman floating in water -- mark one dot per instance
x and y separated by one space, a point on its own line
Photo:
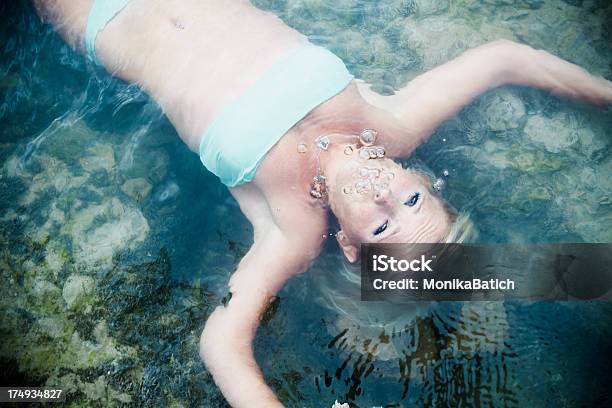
286 127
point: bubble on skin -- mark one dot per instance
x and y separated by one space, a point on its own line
379 186
347 190
362 186
301 148
348 150
367 137
364 153
390 175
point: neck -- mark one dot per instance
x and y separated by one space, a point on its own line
334 161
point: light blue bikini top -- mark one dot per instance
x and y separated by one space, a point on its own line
235 144
101 13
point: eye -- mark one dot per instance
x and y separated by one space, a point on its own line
381 229
413 199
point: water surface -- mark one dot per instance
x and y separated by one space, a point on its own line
117 243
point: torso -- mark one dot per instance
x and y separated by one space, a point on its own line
183 55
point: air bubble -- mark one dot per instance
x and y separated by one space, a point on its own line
367 137
438 184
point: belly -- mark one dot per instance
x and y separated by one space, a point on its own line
194 57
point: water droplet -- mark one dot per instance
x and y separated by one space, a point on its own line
301 148
444 139
380 152
445 173
347 190
390 175
367 137
348 150
364 153
363 172
323 142
362 186
372 152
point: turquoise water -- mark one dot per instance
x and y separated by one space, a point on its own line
117 243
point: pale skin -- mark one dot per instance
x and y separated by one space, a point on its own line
195 56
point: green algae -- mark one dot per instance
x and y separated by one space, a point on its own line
83 346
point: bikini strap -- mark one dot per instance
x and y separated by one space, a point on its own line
102 11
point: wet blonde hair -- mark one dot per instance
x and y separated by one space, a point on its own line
462 229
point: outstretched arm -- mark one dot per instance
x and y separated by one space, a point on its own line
440 93
226 342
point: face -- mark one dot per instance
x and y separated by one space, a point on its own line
379 201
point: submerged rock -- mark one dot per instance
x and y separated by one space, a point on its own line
137 188
99 230
102 158
434 43
52 326
76 289
504 111
431 7
554 134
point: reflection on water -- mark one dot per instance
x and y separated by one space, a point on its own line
117 244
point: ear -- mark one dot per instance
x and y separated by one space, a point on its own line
350 251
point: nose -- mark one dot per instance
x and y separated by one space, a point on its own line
382 196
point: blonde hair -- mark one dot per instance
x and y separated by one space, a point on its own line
462 229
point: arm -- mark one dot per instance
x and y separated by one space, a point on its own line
226 342
440 93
